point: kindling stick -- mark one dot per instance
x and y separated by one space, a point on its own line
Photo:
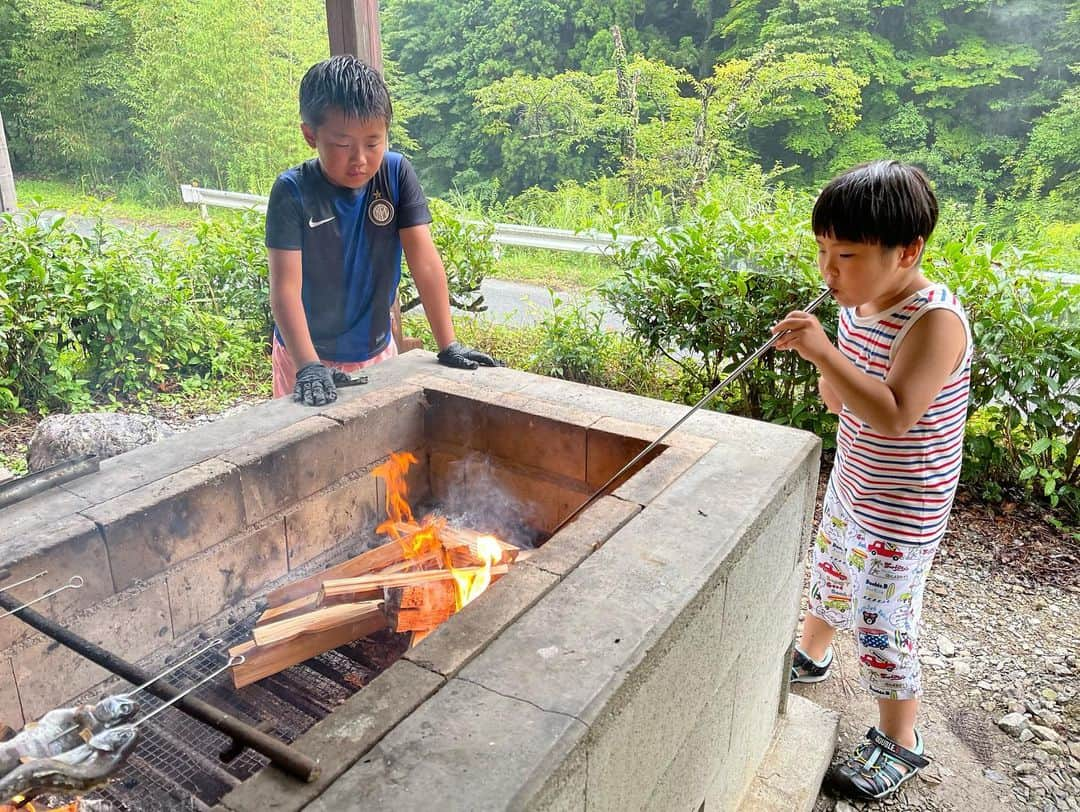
760 351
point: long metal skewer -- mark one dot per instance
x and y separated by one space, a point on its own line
75 582
23 581
236 659
760 351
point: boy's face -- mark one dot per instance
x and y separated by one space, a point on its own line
861 273
350 150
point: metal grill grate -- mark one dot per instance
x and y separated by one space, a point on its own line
176 764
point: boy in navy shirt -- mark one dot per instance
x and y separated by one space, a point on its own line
336 226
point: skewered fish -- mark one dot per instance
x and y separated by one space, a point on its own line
78 770
64 729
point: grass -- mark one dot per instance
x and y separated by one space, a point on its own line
553 269
70 197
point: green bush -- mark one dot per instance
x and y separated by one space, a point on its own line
1025 383
103 316
467 254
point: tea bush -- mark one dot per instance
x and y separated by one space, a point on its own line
467 254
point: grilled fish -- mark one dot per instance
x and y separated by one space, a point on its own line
78 770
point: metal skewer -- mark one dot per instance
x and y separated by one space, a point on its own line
23 581
236 659
75 582
760 351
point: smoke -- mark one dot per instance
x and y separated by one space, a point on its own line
476 499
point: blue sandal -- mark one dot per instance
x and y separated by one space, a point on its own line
877 768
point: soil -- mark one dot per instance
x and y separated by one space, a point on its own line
1000 626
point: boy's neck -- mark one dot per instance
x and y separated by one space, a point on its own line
914 283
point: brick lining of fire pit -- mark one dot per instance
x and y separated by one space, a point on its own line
592 673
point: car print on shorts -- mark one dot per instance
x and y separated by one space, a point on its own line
873 661
829 569
878 547
873 638
822 541
840 603
857 558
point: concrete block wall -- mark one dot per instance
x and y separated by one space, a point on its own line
171 535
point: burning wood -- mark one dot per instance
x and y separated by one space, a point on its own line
428 571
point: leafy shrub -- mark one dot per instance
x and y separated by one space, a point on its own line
104 315
1025 386
467 254
705 293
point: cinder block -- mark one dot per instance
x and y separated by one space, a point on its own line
583 536
543 500
650 481
153 527
563 790
131 625
70 545
10 707
278 470
339 740
702 753
396 424
458 639
328 518
29 516
641 730
224 575
456 420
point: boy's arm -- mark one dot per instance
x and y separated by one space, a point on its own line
428 273
927 356
286 281
832 400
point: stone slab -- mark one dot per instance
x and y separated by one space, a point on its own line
146 464
649 482
498 379
153 527
442 756
72 545
281 468
133 625
789 778
324 520
224 575
35 515
339 740
456 641
582 537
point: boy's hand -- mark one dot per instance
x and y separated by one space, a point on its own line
314 385
804 334
459 356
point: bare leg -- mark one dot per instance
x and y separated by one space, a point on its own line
817 636
896 719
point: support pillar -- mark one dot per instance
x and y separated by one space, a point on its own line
7 178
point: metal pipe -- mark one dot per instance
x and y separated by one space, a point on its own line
760 351
27 486
284 757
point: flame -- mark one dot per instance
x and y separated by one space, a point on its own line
425 541
472 584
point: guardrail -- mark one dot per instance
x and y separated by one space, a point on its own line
554 239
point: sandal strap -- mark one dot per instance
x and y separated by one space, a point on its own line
897 751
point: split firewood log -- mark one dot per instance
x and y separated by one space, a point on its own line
420 608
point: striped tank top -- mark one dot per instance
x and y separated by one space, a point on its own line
901 488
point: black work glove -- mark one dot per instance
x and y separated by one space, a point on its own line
461 357
314 385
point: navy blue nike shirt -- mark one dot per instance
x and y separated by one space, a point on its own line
351 250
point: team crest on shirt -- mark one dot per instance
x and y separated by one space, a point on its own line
381 211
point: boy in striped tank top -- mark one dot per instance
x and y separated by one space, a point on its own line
898 378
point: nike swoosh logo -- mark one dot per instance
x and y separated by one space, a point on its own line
313 223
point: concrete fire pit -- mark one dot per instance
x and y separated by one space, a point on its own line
636 660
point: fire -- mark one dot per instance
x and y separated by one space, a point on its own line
424 542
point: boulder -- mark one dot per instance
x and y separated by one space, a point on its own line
61 436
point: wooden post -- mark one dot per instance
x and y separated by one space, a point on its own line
353 26
7 179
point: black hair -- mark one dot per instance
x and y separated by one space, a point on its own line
887 203
344 82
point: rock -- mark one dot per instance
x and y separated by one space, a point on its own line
1039 756
844 806
5 474
1026 735
995 776
962 667
1052 748
1046 734
1049 694
946 646
1013 723
61 436
1074 750
1025 767
1049 718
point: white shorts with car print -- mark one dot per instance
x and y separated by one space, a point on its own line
862 582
